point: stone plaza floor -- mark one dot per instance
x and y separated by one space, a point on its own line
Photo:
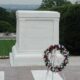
71 72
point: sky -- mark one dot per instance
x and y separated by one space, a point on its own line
24 1
20 1
73 1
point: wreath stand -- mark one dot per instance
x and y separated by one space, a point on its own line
54 56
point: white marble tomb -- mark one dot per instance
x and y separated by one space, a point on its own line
36 31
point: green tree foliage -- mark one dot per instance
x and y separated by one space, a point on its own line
59 2
3 14
12 19
62 2
48 4
7 17
5 27
70 27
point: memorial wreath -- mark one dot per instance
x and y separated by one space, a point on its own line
50 65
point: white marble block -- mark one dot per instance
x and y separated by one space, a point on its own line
36 31
44 75
2 75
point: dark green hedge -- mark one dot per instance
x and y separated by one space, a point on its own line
70 27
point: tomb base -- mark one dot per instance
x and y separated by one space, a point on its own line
43 75
28 58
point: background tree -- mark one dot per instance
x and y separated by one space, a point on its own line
61 2
47 4
5 27
7 18
70 27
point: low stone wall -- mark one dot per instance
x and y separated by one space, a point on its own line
7 36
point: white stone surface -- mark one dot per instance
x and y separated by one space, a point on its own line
1 75
43 75
36 31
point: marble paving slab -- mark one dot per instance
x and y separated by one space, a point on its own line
44 75
2 75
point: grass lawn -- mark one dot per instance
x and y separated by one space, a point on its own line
6 47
